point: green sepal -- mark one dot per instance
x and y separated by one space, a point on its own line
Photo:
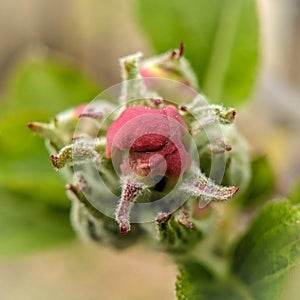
92 225
174 236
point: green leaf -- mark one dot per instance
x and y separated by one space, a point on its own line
267 253
220 37
295 194
35 185
28 224
196 282
262 183
47 85
38 89
190 273
34 209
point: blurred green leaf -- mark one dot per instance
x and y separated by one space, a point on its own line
38 89
48 188
47 85
28 224
295 194
268 252
262 183
16 140
34 209
220 37
196 282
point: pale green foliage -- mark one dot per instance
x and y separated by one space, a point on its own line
34 212
220 38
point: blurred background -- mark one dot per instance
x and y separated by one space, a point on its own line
57 54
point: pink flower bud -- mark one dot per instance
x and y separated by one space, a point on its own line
171 65
153 138
79 110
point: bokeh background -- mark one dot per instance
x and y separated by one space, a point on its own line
57 54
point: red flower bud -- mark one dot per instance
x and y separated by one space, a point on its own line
153 138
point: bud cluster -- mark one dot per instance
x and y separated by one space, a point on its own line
141 149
